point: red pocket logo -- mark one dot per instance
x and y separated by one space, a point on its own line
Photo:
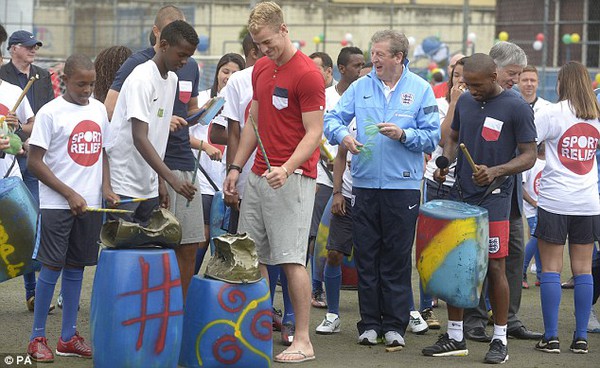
491 129
185 91
577 148
536 183
85 143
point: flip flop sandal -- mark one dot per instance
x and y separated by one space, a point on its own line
304 357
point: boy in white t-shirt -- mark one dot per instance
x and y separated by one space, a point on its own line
531 186
140 126
66 145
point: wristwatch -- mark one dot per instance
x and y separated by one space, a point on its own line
402 137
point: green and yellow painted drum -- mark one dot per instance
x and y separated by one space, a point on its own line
18 219
452 251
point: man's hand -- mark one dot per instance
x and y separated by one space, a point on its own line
439 175
177 122
111 198
484 175
213 152
185 188
4 142
77 204
229 185
352 144
338 206
232 201
163 195
390 130
277 177
11 120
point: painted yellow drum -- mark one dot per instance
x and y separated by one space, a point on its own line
452 251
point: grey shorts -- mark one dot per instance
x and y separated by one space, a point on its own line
68 240
321 198
190 217
278 220
340 231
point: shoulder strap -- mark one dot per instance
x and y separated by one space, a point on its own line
210 181
10 168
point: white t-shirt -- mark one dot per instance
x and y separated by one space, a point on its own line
531 185
9 93
431 166
569 184
347 177
148 97
214 169
331 99
539 103
72 136
238 96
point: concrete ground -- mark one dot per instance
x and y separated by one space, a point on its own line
340 350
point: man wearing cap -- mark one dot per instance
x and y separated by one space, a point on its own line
22 46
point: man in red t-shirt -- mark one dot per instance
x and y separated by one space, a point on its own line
287 107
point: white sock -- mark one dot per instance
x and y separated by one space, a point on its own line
455 330
500 333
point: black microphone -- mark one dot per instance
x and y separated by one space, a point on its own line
442 162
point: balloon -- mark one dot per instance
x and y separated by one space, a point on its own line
537 45
302 43
411 40
503 36
566 39
344 42
348 37
317 40
322 37
575 38
432 66
471 37
296 44
203 43
540 37
595 84
597 78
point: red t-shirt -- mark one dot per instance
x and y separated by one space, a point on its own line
283 93
440 90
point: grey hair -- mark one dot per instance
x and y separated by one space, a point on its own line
507 53
398 41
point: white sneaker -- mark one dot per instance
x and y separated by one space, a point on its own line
533 268
330 325
593 324
417 324
369 337
393 338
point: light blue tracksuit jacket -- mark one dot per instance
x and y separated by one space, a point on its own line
386 163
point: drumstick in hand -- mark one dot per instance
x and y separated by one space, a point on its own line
468 156
27 86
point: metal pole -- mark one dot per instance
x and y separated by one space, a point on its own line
465 26
325 10
391 14
556 32
584 32
545 46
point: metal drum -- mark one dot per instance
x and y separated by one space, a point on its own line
452 251
227 325
18 219
136 309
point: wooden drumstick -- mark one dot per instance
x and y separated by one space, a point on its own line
468 156
27 86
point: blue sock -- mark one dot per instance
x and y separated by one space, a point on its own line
538 265
530 251
43 296
30 284
333 284
583 292
288 308
550 294
274 272
199 258
71 291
